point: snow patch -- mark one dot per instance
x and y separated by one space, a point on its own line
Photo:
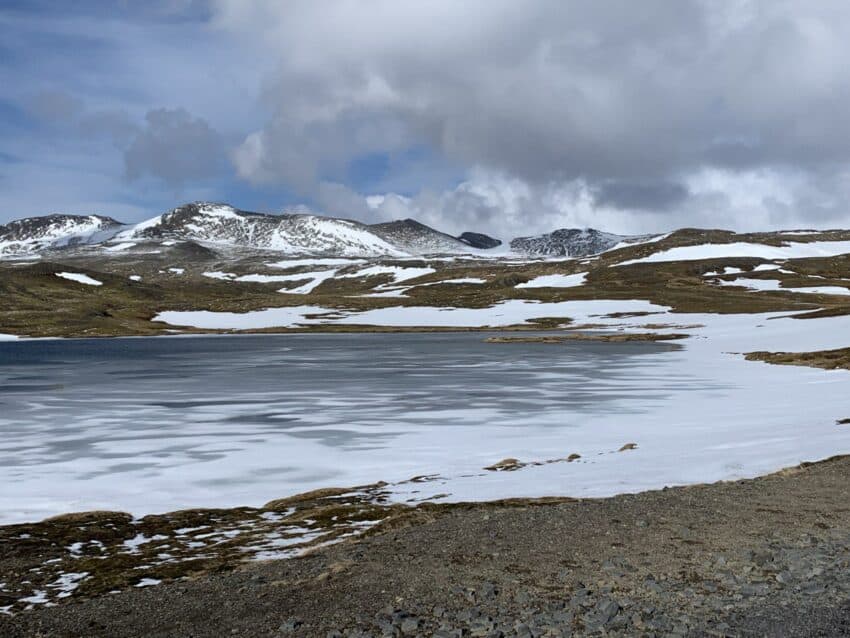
118 247
325 261
316 278
556 281
729 270
461 280
67 583
399 273
79 278
271 317
773 285
148 582
217 274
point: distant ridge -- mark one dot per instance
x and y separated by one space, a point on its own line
222 226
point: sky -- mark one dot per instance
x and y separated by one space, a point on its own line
497 116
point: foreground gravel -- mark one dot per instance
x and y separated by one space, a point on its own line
763 557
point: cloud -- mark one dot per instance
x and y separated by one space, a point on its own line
658 196
631 100
175 147
488 115
508 207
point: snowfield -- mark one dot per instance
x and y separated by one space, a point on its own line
794 250
506 313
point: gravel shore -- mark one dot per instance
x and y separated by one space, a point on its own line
762 557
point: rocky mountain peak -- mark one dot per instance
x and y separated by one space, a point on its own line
571 242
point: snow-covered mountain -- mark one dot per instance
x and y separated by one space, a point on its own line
220 226
35 234
223 225
572 242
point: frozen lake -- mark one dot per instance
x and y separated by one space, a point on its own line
156 424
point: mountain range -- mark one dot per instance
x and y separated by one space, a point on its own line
221 226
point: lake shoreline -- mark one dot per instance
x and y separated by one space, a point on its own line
761 556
